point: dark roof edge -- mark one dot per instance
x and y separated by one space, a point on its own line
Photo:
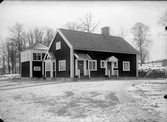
106 51
87 32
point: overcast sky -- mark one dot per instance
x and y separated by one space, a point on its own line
113 14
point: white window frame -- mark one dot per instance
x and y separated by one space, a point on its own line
102 61
58 45
36 56
37 68
95 61
62 65
126 68
116 65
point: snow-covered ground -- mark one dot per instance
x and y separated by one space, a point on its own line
10 76
152 92
84 101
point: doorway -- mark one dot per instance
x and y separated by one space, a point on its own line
81 67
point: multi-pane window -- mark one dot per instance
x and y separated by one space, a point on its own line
102 64
36 56
58 45
92 65
36 68
126 66
62 65
53 65
115 64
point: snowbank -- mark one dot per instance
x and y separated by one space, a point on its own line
10 76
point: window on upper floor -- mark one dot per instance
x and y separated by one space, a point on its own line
58 45
36 56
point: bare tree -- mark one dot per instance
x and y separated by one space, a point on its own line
38 34
43 35
30 38
123 32
17 39
163 19
49 33
73 26
87 23
142 40
2 53
163 22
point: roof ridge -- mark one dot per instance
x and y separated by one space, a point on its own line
87 32
33 45
98 42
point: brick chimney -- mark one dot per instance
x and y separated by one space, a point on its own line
105 31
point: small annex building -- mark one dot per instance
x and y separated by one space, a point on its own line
32 60
75 54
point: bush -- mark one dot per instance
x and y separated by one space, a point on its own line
154 73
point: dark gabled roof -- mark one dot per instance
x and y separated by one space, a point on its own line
97 42
37 46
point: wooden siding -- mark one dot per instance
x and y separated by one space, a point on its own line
121 57
37 73
62 54
25 69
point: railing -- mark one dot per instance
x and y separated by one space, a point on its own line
107 73
77 73
88 73
116 72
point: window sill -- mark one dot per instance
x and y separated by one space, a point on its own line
126 70
93 70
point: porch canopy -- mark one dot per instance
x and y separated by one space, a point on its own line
50 56
112 58
82 56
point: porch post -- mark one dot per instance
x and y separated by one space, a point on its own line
71 63
31 69
51 69
43 68
85 71
76 66
136 65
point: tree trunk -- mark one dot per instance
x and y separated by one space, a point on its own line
19 62
3 69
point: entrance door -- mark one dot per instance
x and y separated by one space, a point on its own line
109 67
81 67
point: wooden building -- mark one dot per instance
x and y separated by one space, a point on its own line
74 54
32 60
